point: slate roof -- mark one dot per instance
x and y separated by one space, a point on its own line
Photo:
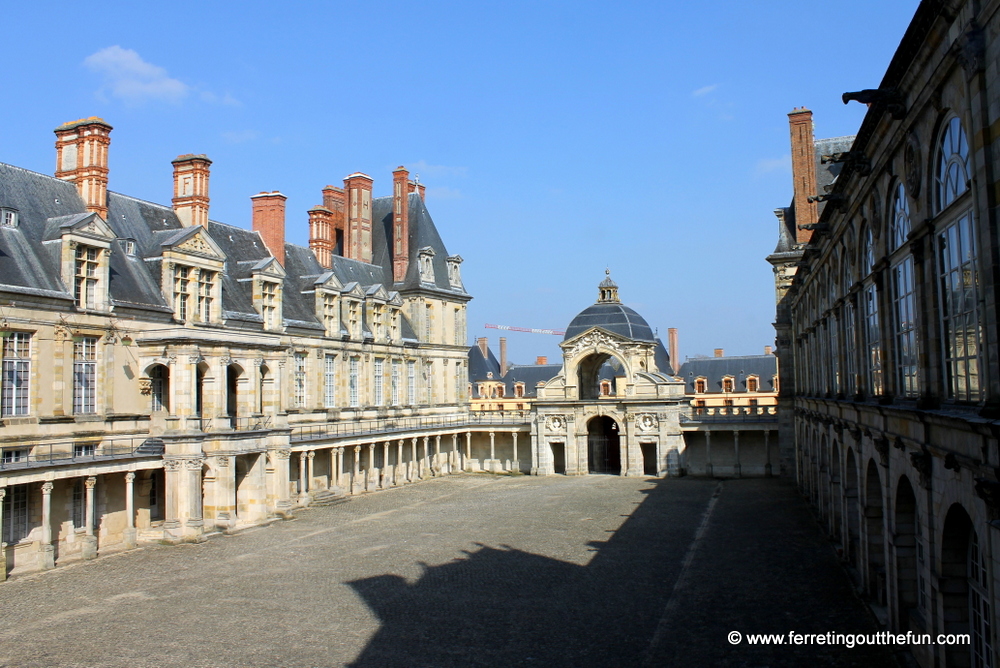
530 375
714 369
46 205
616 318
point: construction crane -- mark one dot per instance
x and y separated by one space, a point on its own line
525 329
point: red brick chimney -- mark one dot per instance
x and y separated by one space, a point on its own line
418 187
503 356
400 224
269 222
335 199
483 345
191 189
675 359
803 172
358 241
719 352
82 158
321 235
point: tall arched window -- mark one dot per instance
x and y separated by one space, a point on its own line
904 327
957 267
872 331
847 319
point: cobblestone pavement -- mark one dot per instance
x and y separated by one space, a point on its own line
468 570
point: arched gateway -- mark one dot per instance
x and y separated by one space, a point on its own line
614 407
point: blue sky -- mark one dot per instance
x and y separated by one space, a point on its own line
555 138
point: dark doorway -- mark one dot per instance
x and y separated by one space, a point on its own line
648 458
233 373
603 446
558 457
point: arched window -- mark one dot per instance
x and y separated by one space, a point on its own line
753 384
903 298
727 384
953 164
700 385
159 377
958 269
869 300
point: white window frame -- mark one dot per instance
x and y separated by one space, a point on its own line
15 385
330 381
85 376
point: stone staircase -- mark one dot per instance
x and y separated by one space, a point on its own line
326 497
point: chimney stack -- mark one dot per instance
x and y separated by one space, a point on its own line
321 235
191 189
803 172
768 350
503 356
541 359
359 217
335 199
269 222
675 360
400 224
719 352
82 158
483 346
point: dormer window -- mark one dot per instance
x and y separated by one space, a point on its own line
354 319
753 384
194 293
269 304
128 245
331 312
454 272
8 217
86 276
728 384
425 261
519 390
700 385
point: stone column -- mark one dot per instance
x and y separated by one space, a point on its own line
303 481
368 472
515 465
194 524
279 460
386 475
708 454
736 448
171 488
767 453
3 545
492 465
47 556
312 469
466 465
356 471
399 473
425 463
130 533
414 460
437 455
89 540
453 463
338 462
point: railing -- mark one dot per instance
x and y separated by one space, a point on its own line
730 414
81 450
328 430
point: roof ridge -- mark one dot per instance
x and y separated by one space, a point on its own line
31 171
137 199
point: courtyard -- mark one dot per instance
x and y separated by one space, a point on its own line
466 570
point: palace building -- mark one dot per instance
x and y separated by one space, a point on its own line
165 375
886 276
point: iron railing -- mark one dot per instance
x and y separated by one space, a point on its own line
79 450
348 428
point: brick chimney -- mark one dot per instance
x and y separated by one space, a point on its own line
541 359
400 224
675 358
803 172
82 158
269 222
191 189
768 350
335 199
503 356
321 235
417 187
719 352
359 217
483 346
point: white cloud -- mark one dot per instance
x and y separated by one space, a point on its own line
704 90
444 192
240 137
130 78
768 165
225 99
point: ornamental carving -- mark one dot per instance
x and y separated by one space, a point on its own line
912 161
196 245
222 462
192 464
145 387
646 422
594 341
282 454
172 464
555 423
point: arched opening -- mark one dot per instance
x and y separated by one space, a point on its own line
159 379
233 373
905 541
967 607
199 389
592 369
603 446
836 496
853 509
874 533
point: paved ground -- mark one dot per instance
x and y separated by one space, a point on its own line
463 571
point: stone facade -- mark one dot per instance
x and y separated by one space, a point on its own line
888 339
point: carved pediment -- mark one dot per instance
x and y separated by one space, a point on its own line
593 340
329 281
269 268
198 243
354 290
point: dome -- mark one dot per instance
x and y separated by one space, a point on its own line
615 318
609 313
